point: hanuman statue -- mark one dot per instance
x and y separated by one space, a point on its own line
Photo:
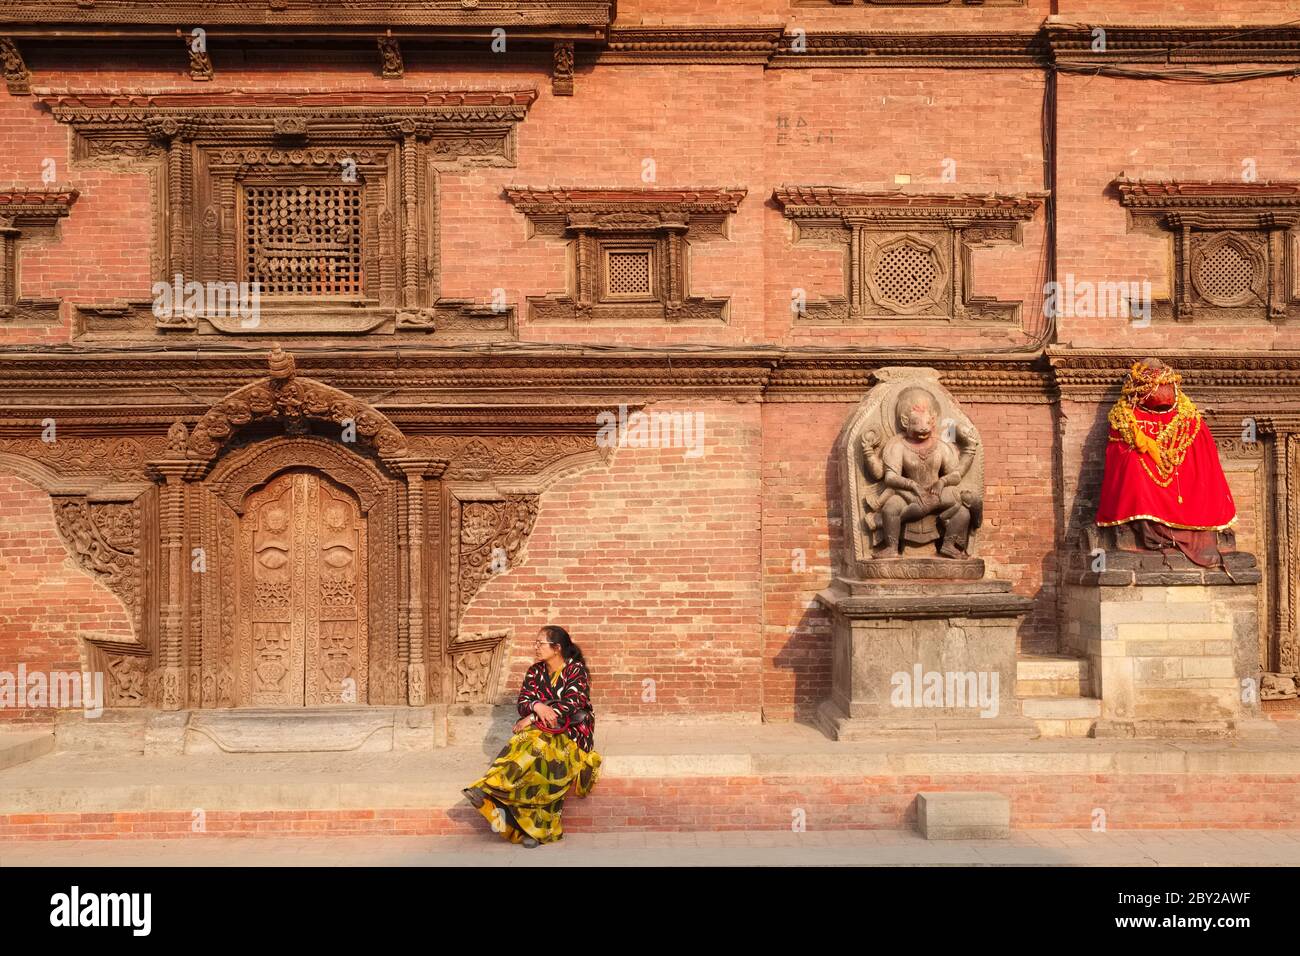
1163 481
920 470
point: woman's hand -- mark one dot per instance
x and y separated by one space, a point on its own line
523 723
546 715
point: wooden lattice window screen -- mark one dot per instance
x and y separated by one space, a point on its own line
304 240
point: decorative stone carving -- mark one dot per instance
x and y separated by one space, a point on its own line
907 256
1234 246
629 250
105 540
913 476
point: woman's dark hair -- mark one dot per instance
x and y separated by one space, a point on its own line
560 637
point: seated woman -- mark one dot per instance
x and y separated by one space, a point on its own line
523 791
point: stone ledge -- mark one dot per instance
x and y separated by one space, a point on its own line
956 815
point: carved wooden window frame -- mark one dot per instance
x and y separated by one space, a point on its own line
199 147
863 225
1259 219
26 213
666 222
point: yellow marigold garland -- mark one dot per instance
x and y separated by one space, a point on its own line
1170 446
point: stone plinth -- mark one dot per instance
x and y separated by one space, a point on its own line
935 659
955 815
1173 648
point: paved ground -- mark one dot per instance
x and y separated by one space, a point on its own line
737 848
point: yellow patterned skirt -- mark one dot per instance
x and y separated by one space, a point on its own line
526 785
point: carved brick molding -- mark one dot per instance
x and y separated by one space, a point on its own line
1077 45
907 256
27 212
1235 252
629 250
909 50
327 201
18 78
910 3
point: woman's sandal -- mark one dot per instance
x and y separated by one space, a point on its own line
474 796
529 842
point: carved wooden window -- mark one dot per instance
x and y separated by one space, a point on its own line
1233 246
629 250
328 206
906 257
27 212
303 240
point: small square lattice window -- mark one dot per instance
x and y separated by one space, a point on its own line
304 240
628 274
905 275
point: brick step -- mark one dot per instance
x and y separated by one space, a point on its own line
767 777
1052 675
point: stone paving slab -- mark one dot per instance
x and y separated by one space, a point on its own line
1130 848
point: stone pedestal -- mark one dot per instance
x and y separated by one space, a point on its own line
933 659
1173 648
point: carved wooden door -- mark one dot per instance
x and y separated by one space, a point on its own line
302 594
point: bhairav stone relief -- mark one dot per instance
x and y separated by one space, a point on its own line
914 479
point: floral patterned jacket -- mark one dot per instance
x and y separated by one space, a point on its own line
569 693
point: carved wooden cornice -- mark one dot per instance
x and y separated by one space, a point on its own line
242 114
546 206
22 206
831 202
1157 45
536 385
730 45
967 50
1165 195
315 18
1265 378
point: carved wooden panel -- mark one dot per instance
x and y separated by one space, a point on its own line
629 250
1233 246
906 257
318 217
27 212
303 600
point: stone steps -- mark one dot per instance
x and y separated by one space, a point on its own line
1054 692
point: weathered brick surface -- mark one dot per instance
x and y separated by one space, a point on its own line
1056 801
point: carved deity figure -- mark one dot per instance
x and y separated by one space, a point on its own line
921 467
1163 486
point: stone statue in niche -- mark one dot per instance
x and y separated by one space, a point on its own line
914 477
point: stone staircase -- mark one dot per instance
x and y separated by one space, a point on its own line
1055 692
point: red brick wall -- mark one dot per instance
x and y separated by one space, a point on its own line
652 564
45 600
1110 127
